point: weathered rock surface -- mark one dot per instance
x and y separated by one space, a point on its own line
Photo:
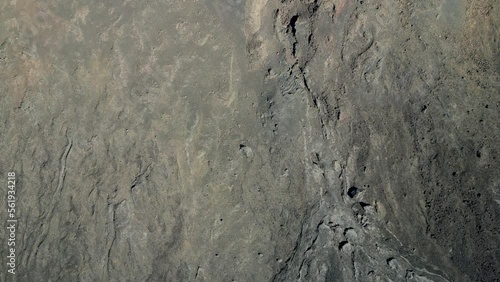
327 140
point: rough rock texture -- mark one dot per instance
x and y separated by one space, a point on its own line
266 140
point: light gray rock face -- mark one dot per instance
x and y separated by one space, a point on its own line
259 140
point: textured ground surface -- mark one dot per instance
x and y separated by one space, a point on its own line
259 140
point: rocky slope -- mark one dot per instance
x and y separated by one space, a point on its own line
340 140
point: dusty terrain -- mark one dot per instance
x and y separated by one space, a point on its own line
259 140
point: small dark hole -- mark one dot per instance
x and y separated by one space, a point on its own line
342 244
352 192
364 205
293 22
